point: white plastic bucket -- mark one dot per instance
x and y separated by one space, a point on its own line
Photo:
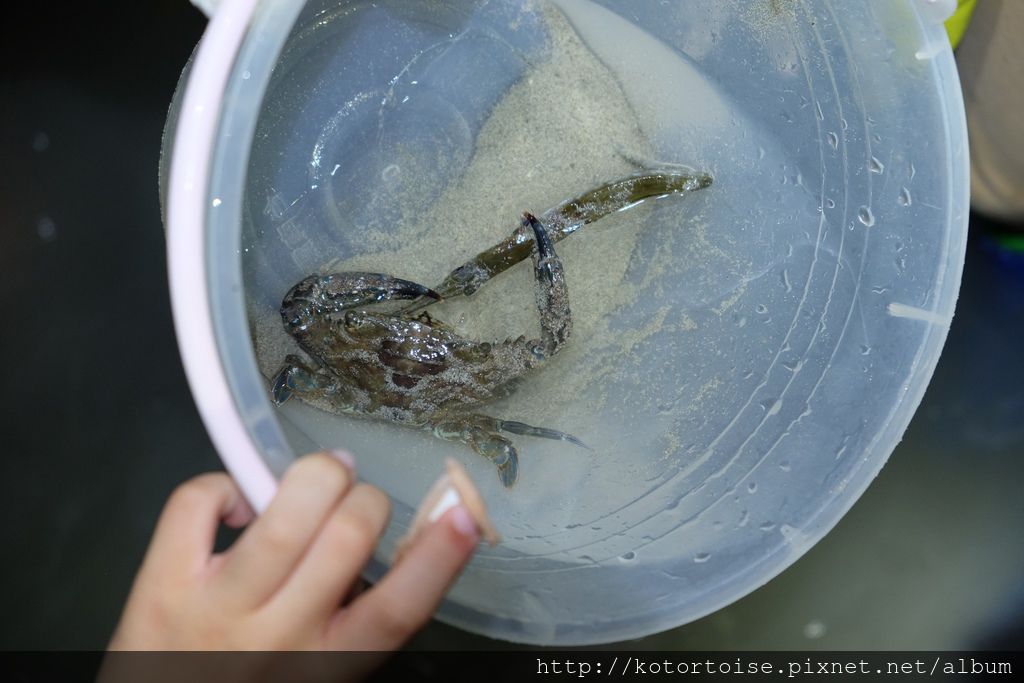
745 358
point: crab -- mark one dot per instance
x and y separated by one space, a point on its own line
370 358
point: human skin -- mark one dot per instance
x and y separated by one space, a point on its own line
290 581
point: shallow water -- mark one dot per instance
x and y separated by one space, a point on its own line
651 288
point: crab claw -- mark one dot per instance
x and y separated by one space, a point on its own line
502 453
320 295
545 246
547 261
294 376
282 390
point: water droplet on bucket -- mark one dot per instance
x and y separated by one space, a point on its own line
876 166
833 140
814 630
275 207
46 229
865 216
793 365
905 199
752 487
628 557
830 203
701 558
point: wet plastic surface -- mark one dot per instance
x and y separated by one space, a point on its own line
99 426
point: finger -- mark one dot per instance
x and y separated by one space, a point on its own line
328 571
259 562
357 589
183 541
240 516
388 614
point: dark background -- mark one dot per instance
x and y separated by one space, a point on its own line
98 425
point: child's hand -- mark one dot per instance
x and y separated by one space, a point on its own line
282 584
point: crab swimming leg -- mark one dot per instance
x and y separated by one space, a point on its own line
565 219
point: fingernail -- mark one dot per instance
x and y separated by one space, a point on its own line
472 501
345 458
449 498
460 517
440 498
464 522
452 491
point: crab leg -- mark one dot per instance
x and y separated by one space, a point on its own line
482 434
540 432
565 219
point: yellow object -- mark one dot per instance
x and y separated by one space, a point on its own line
957 23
